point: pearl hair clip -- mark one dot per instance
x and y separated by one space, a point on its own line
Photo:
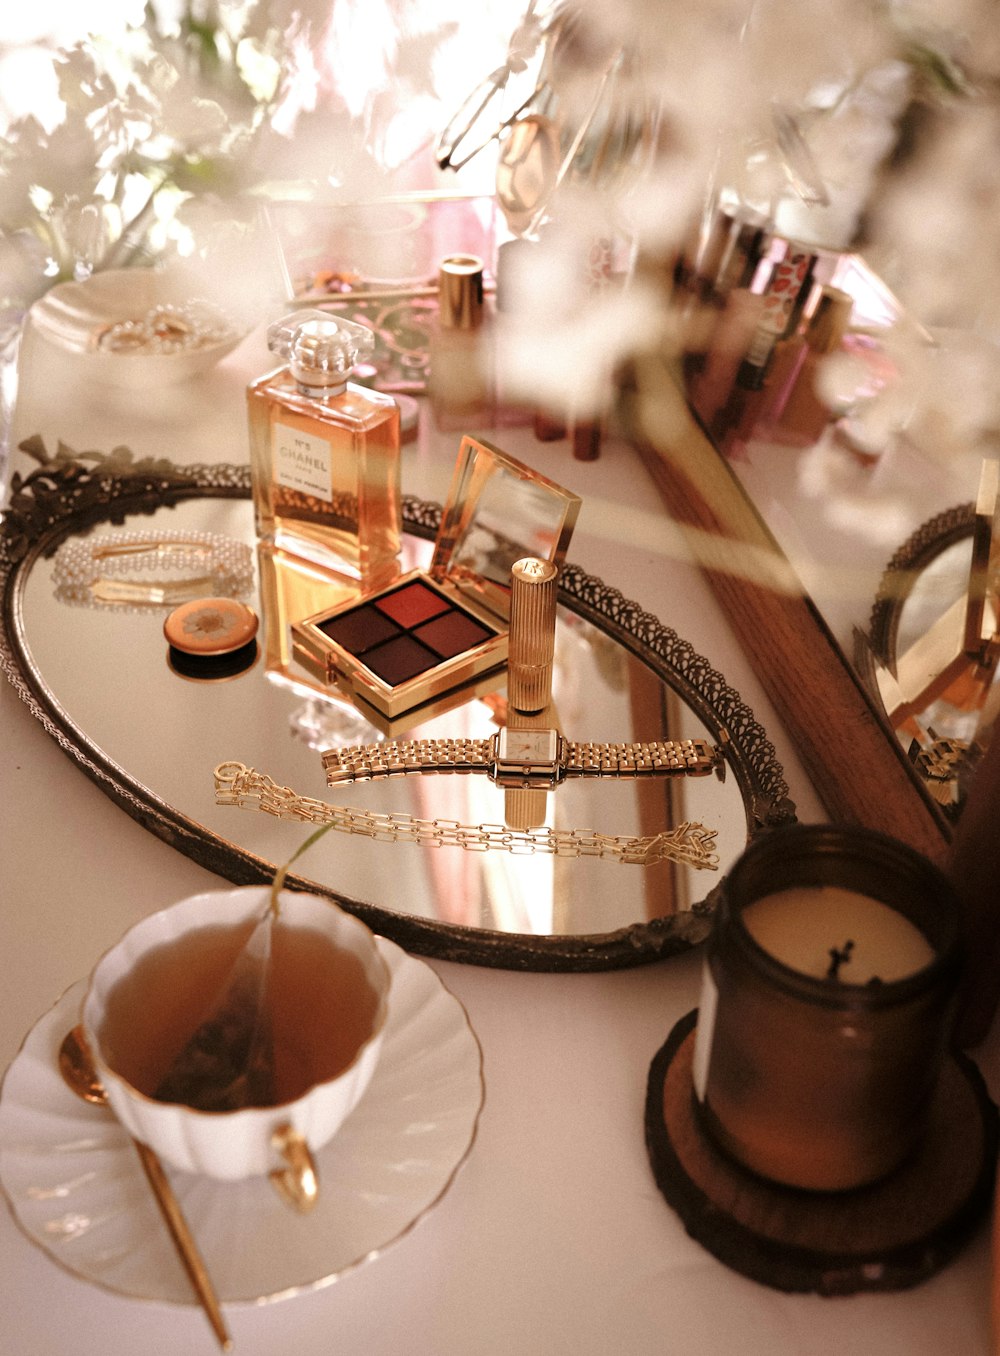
114 570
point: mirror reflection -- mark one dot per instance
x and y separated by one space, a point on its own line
499 511
793 362
931 651
105 669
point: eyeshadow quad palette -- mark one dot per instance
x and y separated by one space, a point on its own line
404 647
406 632
431 632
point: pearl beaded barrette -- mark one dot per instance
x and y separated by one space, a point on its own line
113 570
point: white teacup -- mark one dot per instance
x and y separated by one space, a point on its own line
254 1140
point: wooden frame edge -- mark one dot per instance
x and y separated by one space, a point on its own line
859 771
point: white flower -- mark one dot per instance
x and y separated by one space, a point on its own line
936 229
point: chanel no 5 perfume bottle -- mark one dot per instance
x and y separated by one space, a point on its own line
324 452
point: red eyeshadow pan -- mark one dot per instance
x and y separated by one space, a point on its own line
451 634
399 660
412 604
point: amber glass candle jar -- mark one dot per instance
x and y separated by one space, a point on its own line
827 1000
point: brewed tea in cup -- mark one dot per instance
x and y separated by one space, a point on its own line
233 1043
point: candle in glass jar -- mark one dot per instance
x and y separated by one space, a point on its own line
831 932
804 1070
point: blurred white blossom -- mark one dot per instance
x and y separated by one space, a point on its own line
138 121
937 225
945 396
800 110
218 100
816 117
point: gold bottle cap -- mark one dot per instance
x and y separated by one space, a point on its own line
532 638
829 320
210 626
460 292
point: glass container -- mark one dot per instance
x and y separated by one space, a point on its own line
827 999
324 452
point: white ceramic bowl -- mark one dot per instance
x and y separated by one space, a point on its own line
73 316
237 1144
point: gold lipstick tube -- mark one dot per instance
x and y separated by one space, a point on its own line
531 642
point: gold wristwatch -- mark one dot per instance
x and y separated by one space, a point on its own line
538 758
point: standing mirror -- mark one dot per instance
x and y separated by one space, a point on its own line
743 451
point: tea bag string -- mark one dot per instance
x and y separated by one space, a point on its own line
278 883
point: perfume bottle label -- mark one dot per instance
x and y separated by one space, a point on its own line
704 1032
303 462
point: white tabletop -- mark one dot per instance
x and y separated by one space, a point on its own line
553 1237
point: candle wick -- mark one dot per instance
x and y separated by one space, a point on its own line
839 955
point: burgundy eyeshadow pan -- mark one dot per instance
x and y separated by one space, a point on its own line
452 634
405 633
412 604
359 629
397 661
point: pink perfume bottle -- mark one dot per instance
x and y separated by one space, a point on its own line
324 452
735 418
794 415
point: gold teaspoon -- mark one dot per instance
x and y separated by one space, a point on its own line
77 1069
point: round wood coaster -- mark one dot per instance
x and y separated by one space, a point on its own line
888 1236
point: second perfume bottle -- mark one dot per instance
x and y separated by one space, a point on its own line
325 451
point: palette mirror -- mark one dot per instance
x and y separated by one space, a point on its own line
98 678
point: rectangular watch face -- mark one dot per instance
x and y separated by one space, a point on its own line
527 748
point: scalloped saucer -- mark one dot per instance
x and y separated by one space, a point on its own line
75 1186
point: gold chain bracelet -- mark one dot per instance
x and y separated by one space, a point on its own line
689 844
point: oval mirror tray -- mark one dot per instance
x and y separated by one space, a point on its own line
98 679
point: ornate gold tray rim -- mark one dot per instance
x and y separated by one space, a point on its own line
70 491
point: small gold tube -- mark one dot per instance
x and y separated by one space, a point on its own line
531 643
460 292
